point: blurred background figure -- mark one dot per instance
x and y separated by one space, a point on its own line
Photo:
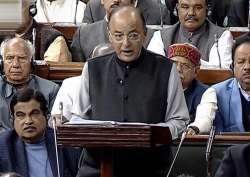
71 11
238 13
154 11
10 174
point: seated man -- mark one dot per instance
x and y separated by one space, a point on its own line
233 95
60 11
66 96
213 42
50 44
216 12
187 60
17 66
235 162
153 12
29 149
131 85
89 36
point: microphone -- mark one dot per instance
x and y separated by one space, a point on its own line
61 111
55 137
34 42
216 39
177 152
77 1
161 17
208 151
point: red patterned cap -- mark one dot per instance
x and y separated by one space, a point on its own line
185 50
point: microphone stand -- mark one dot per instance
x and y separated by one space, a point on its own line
209 151
177 152
77 1
216 39
55 137
160 5
34 42
61 111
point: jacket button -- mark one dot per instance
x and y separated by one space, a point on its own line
121 82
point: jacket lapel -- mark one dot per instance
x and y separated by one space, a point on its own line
235 108
20 160
50 144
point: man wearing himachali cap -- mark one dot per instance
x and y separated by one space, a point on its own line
187 59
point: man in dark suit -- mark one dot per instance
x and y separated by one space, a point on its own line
238 13
29 149
87 37
236 162
153 11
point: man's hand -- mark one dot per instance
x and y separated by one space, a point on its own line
57 117
193 130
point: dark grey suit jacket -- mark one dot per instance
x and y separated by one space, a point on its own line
150 9
238 13
13 156
89 36
236 162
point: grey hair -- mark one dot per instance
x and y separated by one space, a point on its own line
27 43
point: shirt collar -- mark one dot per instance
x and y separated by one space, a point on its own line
132 63
244 93
9 90
188 34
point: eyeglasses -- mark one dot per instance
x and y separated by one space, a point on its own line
120 37
10 59
184 66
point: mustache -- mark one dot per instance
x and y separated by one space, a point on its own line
191 18
115 5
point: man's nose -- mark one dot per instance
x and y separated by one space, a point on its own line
126 41
247 65
28 120
191 11
15 62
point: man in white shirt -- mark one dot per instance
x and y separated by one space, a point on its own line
71 11
214 43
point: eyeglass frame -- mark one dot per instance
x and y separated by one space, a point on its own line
129 37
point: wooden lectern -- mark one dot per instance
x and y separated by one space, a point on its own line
107 137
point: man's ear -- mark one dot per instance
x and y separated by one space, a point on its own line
102 2
109 34
197 70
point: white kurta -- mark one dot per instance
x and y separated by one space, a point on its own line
225 43
59 11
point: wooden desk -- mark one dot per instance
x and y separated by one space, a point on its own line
58 71
107 137
61 71
213 76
